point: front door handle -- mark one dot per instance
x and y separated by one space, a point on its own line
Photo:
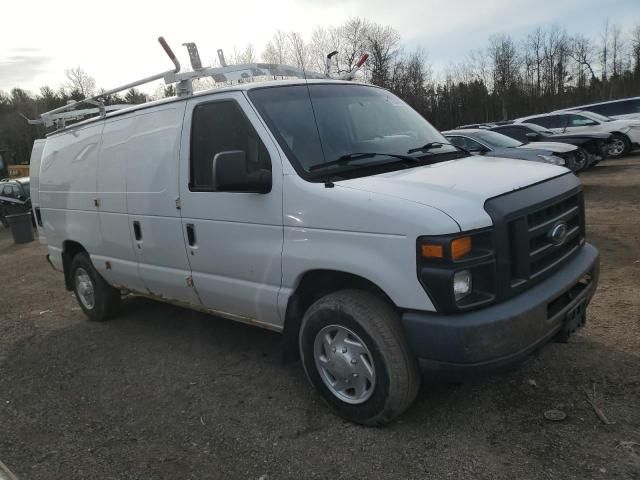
137 231
191 234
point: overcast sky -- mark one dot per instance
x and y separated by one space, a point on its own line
115 40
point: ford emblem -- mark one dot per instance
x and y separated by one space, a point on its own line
558 233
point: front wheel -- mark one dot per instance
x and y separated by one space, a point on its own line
354 352
619 146
99 300
579 160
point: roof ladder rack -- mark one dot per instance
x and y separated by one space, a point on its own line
184 81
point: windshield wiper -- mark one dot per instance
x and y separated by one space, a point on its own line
426 147
350 157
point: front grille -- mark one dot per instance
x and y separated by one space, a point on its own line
532 251
523 221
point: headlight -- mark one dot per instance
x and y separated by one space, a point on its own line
458 271
552 159
462 284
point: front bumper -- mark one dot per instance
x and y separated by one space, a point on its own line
504 334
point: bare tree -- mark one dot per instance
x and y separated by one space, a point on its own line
505 64
617 45
604 49
298 49
534 47
80 81
635 49
382 43
246 55
582 51
276 49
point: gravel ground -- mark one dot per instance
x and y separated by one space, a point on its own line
164 392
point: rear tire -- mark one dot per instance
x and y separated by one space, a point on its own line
355 354
619 146
99 300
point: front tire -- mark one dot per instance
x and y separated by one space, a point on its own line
579 160
355 354
99 300
619 146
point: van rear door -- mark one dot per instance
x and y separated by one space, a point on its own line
34 180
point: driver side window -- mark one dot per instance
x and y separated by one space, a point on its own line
467 144
580 121
221 126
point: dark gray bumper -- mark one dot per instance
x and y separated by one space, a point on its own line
504 334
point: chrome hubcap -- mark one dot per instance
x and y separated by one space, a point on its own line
616 148
345 364
84 288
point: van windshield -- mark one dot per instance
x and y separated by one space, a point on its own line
348 119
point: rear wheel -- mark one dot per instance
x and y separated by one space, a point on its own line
619 145
354 352
99 300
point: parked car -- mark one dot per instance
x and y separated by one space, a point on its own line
482 141
624 108
15 197
592 147
625 134
350 225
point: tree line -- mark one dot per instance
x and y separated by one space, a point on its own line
547 69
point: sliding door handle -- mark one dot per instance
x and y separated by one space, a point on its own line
191 234
137 230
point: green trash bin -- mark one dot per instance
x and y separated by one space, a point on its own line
20 225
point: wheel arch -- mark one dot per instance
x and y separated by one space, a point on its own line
70 248
313 285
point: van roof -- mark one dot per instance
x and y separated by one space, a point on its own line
238 87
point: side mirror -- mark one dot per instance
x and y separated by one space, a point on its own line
231 173
478 150
533 136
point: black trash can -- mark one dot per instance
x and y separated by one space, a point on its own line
20 225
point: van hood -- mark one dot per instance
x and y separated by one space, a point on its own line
458 187
555 147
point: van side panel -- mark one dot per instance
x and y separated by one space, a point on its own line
117 246
67 190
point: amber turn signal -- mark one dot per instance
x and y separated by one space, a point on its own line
460 247
432 251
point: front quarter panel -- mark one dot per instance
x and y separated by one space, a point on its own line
357 232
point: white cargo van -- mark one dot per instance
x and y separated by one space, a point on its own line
329 211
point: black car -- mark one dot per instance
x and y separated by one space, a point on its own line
592 147
15 197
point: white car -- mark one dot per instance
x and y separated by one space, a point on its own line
624 108
329 211
625 133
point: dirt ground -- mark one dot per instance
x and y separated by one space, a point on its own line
164 392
